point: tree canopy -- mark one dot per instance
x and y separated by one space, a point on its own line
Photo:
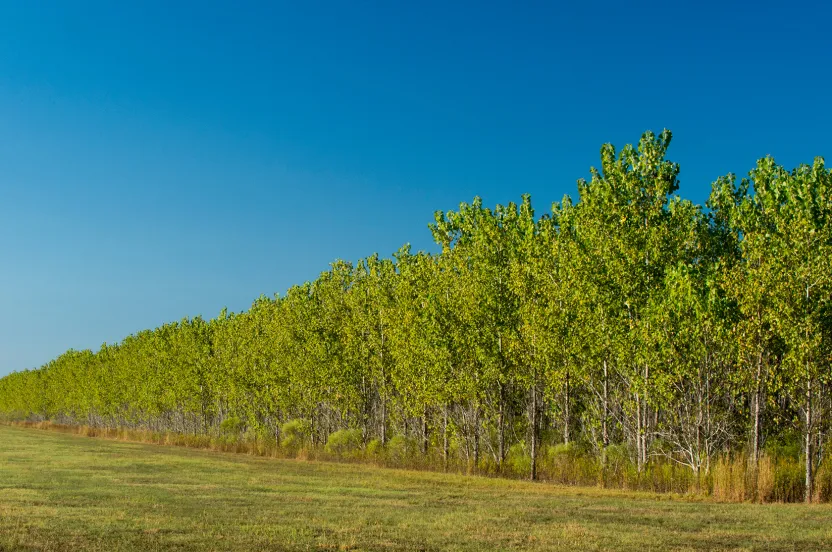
626 319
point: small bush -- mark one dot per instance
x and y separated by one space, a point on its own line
787 445
232 425
570 464
343 442
518 460
294 435
400 449
618 467
374 448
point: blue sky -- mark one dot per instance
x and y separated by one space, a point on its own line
163 159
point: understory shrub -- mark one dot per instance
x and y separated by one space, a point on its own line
518 460
295 435
232 425
343 443
401 450
374 448
569 464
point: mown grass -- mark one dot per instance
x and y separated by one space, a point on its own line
67 492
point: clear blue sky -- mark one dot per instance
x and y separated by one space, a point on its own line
169 158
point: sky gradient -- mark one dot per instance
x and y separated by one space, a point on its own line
161 160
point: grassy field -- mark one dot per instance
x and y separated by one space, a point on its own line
67 492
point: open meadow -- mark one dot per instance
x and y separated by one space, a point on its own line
68 492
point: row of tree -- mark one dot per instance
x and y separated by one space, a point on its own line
630 317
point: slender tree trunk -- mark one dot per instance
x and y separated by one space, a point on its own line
501 437
204 410
755 447
312 426
425 431
533 474
566 418
808 434
605 436
808 445
382 394
639 430
645 428
445 439
699 423
477 438
383 421
365 411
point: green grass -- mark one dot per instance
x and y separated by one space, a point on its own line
67 492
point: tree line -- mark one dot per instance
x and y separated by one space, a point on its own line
628 322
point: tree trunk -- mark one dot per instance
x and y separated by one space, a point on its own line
365 411
425 431
639 430
566 420
755 447
698 460
383 421
476 438
533 471
645 427
312 426
445 439
808 435
605 436
501 437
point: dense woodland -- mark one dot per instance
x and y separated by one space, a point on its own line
628 329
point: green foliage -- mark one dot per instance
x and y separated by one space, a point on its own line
627 337
786 445
788 482
401 450
518 459
232 425
374 448
295 434
344 442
